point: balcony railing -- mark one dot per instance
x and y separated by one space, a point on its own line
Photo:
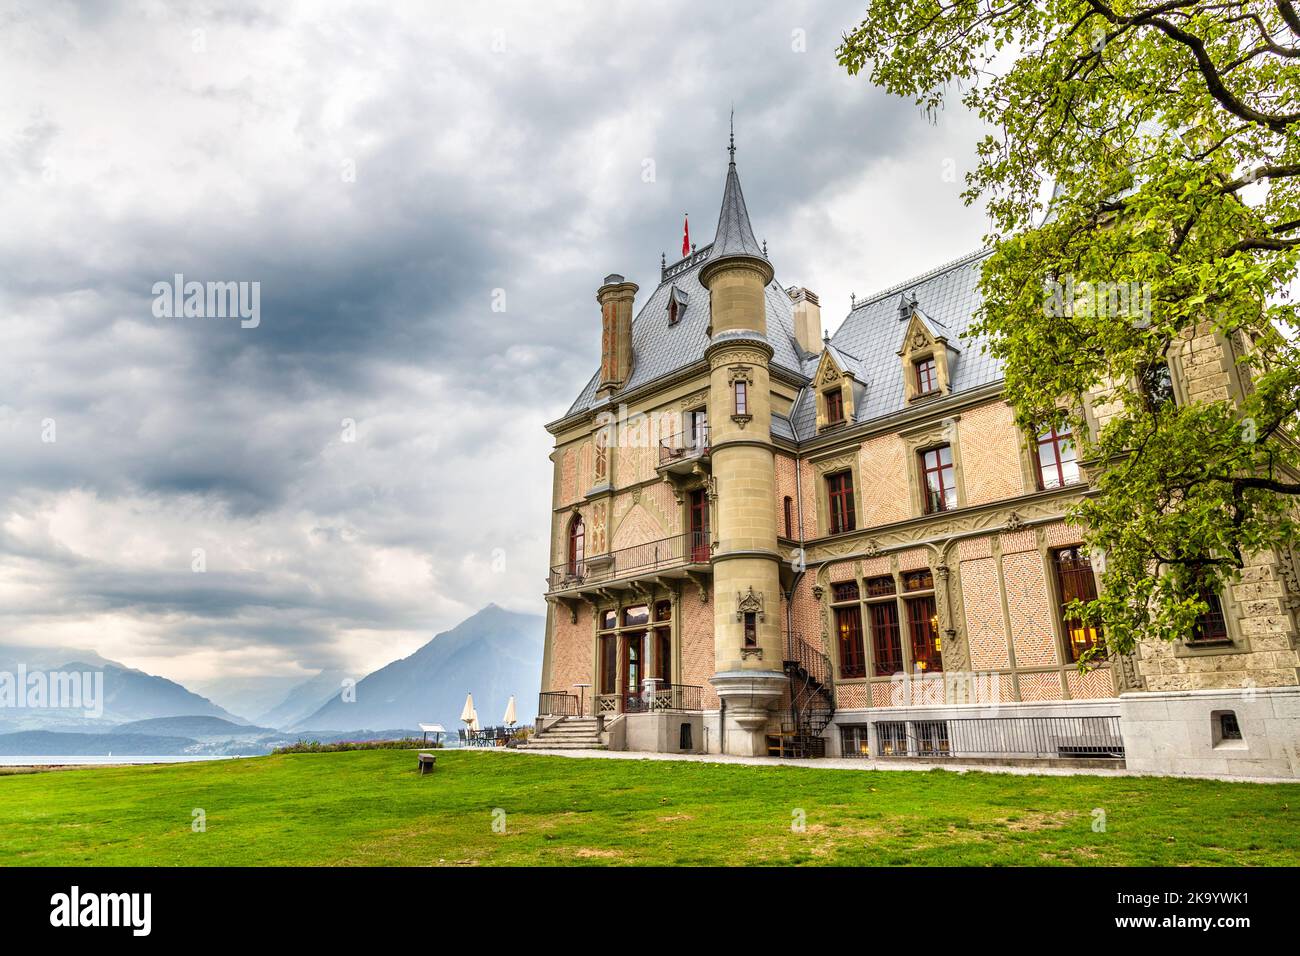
685 445
687 697
556 703
693 547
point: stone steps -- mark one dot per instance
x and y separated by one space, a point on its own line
571 733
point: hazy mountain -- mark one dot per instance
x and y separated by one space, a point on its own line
45 743
302 700
129 694
493 654
198 728
247 696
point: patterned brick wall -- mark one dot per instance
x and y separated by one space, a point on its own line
884 494
1030 611
571 649
786 487
848 696
697 644
913 559
842 571
986 629
807 614
1041 686
1094 684
990 454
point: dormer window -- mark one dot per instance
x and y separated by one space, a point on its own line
927 376
834 406
676 305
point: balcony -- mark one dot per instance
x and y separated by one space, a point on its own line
682 697
679 453
678 556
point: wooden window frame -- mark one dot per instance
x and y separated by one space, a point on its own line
1055 439
1081 571
927 500
840 502
576 553
834 398
740 396
927 375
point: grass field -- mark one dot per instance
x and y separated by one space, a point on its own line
371 808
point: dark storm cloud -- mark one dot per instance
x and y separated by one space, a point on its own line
381 174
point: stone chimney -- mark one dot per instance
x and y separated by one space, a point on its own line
807 319
615 297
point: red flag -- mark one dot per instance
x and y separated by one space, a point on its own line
686 236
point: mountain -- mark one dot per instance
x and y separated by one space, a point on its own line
303 700
197 728
247 696
129 694
45 743
493 654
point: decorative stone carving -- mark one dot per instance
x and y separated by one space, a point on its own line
871 548
1014 521
749 603
817 592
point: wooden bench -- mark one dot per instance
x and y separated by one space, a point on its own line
427 762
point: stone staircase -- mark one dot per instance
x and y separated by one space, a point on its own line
569 733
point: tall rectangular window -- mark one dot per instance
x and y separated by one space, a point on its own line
1212 626
789 517
840 490
938 479
848 624
923 626
927 377
1057 465
886 646
608 664
834 406
1075 580
751 629
742 398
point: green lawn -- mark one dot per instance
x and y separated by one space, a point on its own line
371 808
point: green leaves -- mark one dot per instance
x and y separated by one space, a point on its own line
1165 131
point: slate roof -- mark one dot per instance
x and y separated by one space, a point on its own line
871 335
866 344
734 235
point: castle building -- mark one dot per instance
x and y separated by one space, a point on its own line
769 541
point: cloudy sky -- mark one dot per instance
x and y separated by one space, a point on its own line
381 173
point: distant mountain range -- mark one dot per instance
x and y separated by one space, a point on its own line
129 694
493 654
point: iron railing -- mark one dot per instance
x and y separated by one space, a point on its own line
556 703
665 697
812 697
1042 737
693 547
685 445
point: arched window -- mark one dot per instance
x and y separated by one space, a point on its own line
577 545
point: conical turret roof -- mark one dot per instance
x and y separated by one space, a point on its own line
735 236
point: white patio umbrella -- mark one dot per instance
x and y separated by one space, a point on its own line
467 712
510 719
473 723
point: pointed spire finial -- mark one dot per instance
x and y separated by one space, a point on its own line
764 248
731 148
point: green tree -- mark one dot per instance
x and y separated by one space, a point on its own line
1166 134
